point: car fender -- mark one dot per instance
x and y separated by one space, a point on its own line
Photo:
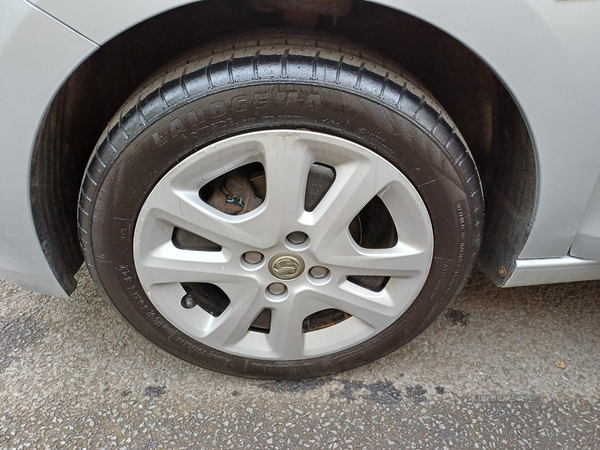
541 50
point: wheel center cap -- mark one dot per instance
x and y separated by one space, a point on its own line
286 266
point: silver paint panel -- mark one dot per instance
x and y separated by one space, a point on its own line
101 20
553 270
587 240
37 53
546 53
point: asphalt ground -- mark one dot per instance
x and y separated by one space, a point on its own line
504 368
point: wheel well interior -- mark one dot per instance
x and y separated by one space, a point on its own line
472 94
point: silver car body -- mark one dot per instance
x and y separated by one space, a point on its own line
545 52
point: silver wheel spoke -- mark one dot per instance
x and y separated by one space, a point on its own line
376 309
343 254
355 185
185 209
287 163
233 324
286 337
167 264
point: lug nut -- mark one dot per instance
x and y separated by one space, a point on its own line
319 272
297 237
188 301
253 257
276 288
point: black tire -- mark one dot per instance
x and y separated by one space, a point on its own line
272 83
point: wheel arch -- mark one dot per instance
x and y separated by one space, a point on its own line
475 97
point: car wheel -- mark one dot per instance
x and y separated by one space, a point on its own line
281 207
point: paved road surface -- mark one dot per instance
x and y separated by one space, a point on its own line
485 375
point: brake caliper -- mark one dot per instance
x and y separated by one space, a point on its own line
237 194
